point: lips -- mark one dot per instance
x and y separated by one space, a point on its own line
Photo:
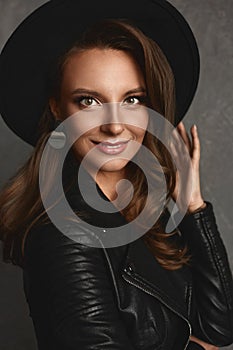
114 147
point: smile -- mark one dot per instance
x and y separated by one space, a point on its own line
111 147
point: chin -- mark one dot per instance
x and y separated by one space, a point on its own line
114 165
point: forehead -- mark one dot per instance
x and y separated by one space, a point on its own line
101 67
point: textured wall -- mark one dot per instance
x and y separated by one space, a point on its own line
212 111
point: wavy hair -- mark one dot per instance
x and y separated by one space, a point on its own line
21 209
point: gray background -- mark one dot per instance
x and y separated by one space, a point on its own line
211 110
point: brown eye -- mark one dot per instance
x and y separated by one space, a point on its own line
133 100
88 101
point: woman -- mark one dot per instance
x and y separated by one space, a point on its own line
158 291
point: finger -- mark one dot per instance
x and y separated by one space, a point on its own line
184 135
179 139
179 151
174 154
195 143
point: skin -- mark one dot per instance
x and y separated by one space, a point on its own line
203 344
193 145
112 74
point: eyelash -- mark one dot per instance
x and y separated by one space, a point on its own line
83 97
142 99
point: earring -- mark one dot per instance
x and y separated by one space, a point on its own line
57 139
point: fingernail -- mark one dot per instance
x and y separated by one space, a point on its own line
195 127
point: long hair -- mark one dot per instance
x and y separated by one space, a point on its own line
21 208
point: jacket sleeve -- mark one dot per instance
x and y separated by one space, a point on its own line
70 294
212 299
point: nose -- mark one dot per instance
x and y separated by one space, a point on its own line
112 123
112 128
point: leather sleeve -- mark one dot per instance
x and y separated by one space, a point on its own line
212 291
70 293
194 346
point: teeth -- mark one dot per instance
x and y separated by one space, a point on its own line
108 146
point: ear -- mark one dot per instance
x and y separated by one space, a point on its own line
54 107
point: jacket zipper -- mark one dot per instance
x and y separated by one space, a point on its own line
162 301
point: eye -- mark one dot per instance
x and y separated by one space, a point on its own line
86 101
134 100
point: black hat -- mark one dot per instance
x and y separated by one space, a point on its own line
45 34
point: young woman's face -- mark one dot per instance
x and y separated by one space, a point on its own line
97 77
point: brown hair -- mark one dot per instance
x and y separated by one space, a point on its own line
20 209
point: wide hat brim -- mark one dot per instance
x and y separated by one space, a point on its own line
45 34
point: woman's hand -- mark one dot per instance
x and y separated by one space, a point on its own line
192 192
205 346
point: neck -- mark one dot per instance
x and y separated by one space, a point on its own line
107 181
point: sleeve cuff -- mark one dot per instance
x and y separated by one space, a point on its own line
192 223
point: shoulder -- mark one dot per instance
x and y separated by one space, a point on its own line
45 241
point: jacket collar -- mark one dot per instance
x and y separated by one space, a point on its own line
168 286
139 263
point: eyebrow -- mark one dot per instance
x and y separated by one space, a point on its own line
97 94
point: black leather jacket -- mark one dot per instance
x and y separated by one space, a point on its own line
86 298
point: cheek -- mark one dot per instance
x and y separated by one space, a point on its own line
81 127
78 149
139 133
81 146
140 125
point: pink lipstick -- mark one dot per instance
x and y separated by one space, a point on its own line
109 147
